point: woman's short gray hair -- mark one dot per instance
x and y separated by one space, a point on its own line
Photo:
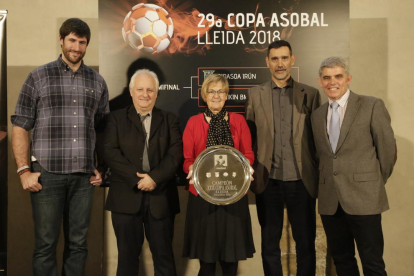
144 72
332 62
214 78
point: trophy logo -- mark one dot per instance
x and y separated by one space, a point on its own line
216 170
220 161
207 73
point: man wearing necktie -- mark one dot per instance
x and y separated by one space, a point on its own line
356 148
143 149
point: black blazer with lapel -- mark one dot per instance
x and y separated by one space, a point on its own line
124 146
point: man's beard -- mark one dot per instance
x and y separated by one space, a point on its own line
72 60
282 76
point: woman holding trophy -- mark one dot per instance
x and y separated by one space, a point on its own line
217 233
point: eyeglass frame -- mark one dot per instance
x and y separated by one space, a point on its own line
214 92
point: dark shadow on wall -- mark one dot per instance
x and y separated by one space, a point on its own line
124 99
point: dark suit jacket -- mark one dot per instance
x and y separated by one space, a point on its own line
124 146
259 116
356 173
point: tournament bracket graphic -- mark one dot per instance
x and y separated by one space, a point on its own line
185 41
240 80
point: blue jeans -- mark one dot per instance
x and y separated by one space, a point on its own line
68 197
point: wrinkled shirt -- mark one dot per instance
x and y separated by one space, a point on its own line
284 165
63 109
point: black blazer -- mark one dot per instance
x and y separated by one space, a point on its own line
124 146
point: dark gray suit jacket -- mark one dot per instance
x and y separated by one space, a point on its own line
259 116
124 146
356 173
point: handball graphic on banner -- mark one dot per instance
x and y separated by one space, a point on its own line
148 27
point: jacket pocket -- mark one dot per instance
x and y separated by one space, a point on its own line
363 177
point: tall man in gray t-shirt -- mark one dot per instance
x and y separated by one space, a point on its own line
278 113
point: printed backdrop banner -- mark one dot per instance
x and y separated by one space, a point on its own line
185 41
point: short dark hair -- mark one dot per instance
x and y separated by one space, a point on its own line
278 44
76 26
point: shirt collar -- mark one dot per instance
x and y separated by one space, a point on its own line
288 84
342 100
149 113
66 67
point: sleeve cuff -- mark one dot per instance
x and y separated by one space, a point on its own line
22 122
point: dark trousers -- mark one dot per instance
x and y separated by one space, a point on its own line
66 197
342 230
129 231
209 269
302 217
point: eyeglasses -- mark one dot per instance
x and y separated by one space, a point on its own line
219 92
